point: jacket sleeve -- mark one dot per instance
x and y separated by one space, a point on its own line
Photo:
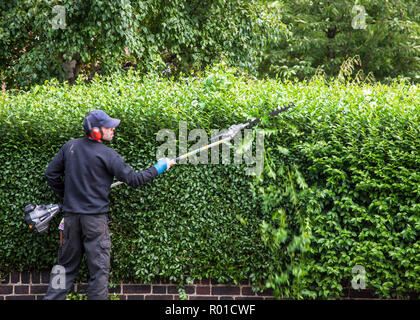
55 172
125 173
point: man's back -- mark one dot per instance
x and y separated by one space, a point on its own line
89 167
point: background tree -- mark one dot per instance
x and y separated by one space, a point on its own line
40 40
324 34
44 39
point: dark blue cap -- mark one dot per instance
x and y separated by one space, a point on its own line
99 118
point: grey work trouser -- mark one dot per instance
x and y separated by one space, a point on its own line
83 233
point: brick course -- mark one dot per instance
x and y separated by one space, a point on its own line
33 286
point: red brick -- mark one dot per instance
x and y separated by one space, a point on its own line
136 288
225 290
25 277
21 289
159 297
247 291
36 277
202 290
202 298
134 297
173 289
26 297
39 289
45 276
14 277
159 289
6 289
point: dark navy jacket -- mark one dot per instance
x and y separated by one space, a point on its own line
88 168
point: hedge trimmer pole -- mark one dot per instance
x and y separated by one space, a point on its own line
226 136
202 149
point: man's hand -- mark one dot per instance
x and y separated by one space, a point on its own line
170 162
164 164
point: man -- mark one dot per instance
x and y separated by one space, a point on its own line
89 167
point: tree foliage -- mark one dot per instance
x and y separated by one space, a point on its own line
40 40
324 34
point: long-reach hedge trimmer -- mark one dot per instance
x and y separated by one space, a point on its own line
38 217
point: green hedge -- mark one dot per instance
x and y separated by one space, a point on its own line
346 165
340 185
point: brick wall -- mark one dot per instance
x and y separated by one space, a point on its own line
33 286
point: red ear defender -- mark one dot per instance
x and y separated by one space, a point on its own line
96 133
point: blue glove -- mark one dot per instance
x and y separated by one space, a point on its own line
161 165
